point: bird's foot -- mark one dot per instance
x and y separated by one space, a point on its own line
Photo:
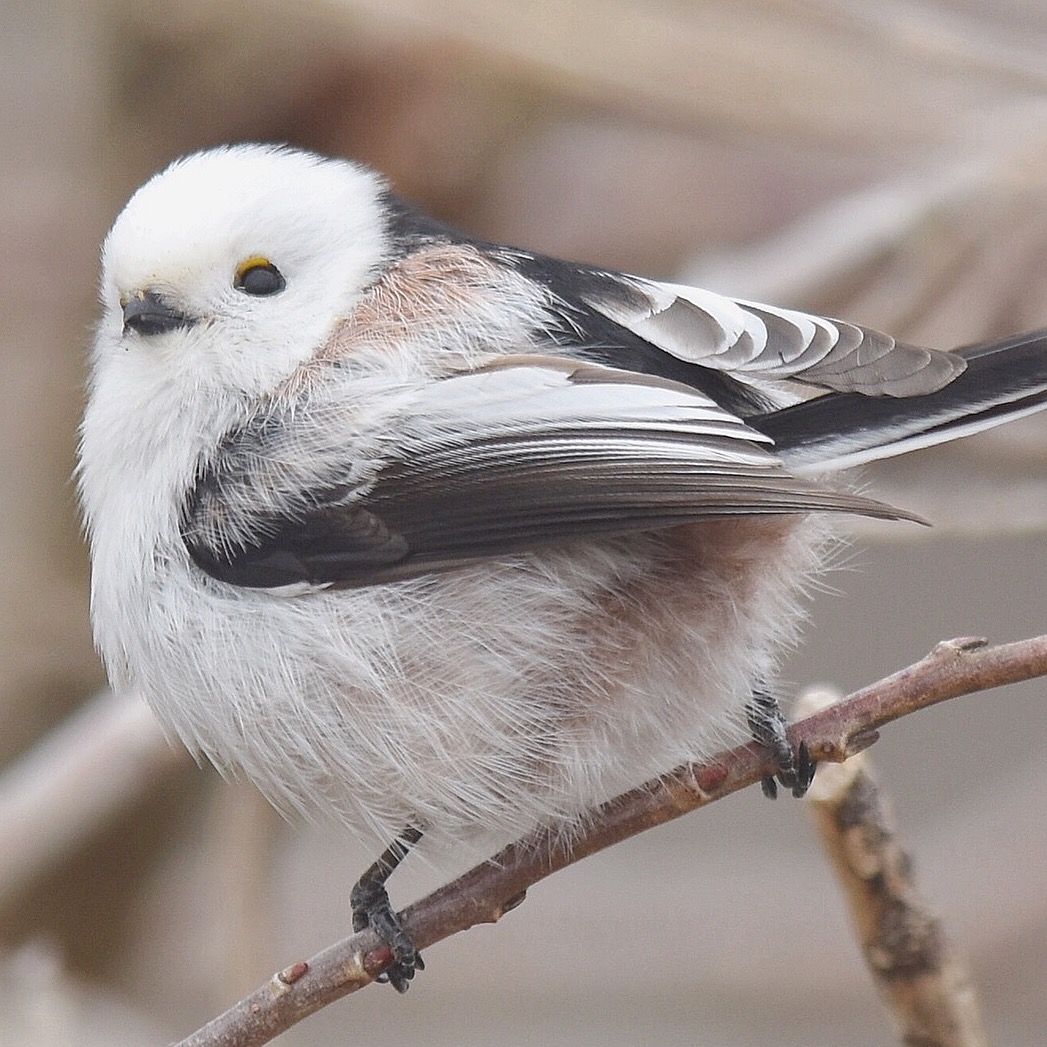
370 904
795 770
371 908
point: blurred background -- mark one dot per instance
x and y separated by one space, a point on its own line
881 160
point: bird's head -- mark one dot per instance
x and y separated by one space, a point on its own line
231 266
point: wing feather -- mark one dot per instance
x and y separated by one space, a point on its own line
482 464
766 342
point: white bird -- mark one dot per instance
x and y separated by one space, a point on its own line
438 536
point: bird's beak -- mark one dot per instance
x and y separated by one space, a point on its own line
148 313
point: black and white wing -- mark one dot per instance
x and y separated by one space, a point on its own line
744 341
483 464
880 397
884 397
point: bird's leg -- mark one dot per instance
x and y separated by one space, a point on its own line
795 770
370 904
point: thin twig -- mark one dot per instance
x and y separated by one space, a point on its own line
485 893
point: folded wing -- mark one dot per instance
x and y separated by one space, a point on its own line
484 464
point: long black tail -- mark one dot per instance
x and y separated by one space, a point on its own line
1003 380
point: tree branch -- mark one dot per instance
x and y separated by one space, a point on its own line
485 893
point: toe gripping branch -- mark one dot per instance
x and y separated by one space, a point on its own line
371 908
795 769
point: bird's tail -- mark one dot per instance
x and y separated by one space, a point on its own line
1003 380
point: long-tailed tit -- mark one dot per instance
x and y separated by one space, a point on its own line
440 536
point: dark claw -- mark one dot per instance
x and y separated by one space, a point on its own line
371 908
400 972
795 770
805 768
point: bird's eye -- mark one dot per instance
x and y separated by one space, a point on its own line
259 277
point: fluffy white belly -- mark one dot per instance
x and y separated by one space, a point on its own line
497 696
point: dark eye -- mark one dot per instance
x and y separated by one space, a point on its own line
259 277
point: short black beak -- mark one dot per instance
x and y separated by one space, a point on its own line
148 313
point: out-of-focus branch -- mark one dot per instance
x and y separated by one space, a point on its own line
920 977
850 80
486 892
102 760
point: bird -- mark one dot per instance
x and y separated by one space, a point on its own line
437 537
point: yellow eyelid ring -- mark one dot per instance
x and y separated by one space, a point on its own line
258 277
255 261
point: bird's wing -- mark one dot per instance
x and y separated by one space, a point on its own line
483 464
761 342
